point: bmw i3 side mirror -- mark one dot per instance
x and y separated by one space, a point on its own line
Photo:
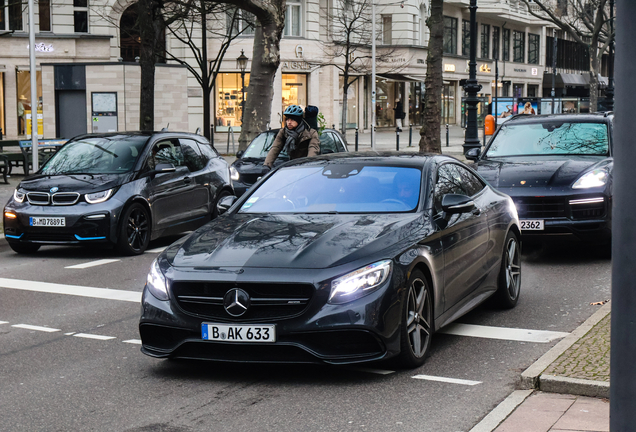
473 154
455 204
225 203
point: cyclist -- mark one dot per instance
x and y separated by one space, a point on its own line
297 138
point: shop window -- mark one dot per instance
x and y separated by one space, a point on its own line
229 108
495 43
294 90
293 21
518 46
387 29
533 90
243 24
450 35
485 41
24 103
465 37
517 90
533 48
2 124
506 44
352 103
80 16
44 14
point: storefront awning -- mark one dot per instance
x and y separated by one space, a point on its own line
400 77
573 79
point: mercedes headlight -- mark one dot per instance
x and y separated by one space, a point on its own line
234 174
98 197
156 282
595 178
360 282
18 196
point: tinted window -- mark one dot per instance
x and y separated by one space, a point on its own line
207 151
260 146
339 144
454 179
192 155
342 188
167 152
106 155
471 185
550 138
327 143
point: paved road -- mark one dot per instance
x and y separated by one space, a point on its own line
88 374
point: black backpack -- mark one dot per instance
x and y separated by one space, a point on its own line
311 116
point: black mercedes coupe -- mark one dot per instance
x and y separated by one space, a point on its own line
558 171
335 259
122 189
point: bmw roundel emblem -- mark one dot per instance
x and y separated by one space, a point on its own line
54 189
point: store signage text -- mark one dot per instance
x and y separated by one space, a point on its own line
449 68
484 68
297 65
535 71
520 70
42 47
299 51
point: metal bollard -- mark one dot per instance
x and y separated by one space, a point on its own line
397 139
212 135
410 135
447 138
356 139
333 126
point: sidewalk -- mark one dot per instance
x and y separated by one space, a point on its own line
567 389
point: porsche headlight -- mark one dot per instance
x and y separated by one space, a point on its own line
595 178
360 282
234 174
18 196
156 282
98 197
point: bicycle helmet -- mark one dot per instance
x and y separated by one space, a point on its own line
294 111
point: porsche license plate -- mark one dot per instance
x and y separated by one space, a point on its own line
238 333
531 224
47 221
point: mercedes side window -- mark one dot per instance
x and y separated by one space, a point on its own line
470 183
192 155
449 181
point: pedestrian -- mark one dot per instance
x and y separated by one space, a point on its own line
22 114
399 114
297 138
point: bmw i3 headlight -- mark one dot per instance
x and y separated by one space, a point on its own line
156 282
98 197
360 282
18 196
234 174
594 178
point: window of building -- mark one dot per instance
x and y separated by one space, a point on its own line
533 90
450 35
294 90
416 29
80 16
44 14
495 42
517 90
518 46
2 125
423 26
229 108
533 48
293 21
387 29
485 41
243 22
562 7
24 103
465 37
11 17
506 44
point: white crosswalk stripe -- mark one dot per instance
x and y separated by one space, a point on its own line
37 328
502 333
92 264
83 291
93 336
446 380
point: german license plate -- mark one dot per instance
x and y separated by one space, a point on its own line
47 221
238 333
531 224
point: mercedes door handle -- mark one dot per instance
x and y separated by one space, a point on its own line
187 180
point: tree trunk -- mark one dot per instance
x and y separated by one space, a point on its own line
430 132
594 63
149 31
205 79
260 91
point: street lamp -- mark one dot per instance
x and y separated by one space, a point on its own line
241 63
471 138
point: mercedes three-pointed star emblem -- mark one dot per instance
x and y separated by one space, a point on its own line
236 302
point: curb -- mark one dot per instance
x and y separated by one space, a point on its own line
574 386
501 411
530 378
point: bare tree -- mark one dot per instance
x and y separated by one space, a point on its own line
430 141
348 45
587 23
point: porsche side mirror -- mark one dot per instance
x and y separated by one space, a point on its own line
455 204
239 154
225 203
473 154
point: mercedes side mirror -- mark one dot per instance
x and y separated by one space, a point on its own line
473 154
225 203
455 204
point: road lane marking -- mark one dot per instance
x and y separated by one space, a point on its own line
156 250
502 333
446 380
38 328
133 341
93 336
92 264
83 291
4 322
